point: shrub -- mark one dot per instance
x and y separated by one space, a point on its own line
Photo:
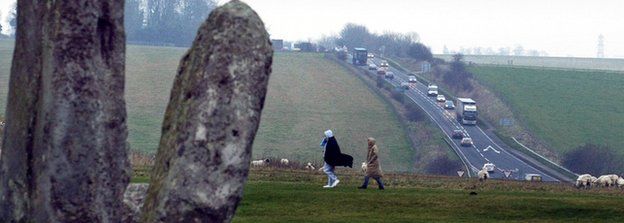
442 165
593 159
457 76
419 51
414 113
398 95
380 82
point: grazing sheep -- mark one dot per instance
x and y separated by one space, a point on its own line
604 180
483 174
620 182
584 180
309 166
364 167
284 161
259 163
614 177
594 180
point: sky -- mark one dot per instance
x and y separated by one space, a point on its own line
5 6
559 27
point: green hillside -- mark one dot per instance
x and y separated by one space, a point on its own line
307 95
297 196
565 108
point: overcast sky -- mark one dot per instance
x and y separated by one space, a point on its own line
559 27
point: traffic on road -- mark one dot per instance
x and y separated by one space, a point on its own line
476 148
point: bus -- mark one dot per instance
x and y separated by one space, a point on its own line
360 55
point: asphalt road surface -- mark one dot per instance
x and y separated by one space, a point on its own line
485 149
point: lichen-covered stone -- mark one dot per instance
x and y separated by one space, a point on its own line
64 156
133 199
211 120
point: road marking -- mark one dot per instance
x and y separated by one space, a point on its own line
518 159
507 173
492 148
460 173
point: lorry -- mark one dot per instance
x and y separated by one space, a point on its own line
432 90
466 111
360 56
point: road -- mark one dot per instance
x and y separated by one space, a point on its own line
485 148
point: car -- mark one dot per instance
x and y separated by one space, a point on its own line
440 98
412 79
449 104
381 70
371 55
490 167
432 90
457 134
466 141
533 177
405 85
372 67
383 63
389 75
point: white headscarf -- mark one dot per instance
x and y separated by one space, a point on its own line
329 133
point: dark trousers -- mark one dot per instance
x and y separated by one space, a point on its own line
378 179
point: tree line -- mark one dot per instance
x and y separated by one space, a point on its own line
158 22
165 22
388 43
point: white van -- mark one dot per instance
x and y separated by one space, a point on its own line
533 177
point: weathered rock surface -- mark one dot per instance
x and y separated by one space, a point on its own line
133 199
211 120
64 156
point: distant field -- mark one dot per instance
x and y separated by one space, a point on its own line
553 62
565 108
281 196
6 55
307 95
150 72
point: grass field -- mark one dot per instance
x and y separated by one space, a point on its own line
307 95
297 196
549 62
564 108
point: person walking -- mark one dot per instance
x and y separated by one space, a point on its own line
373 169
333 157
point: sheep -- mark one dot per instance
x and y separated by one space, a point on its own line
483 174
364 167
584 180
614 177
309 166
620 182
284 162
604 180
259 163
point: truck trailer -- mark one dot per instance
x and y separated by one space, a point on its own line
466 111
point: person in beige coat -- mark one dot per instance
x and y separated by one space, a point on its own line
373 169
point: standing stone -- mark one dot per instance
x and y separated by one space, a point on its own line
64 156
211 120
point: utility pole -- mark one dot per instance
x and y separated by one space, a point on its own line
600 47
